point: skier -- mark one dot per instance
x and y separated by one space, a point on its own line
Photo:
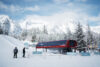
15 52
24 52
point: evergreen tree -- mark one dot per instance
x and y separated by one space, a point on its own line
24 34
90 39
80 37
69 35
35 33
98 44
45 30
33 38
1 31
44 34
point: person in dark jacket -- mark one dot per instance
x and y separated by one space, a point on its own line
15 52
24 52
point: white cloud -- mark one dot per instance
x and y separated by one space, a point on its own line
95 29
61 1
35 8
30 0
3 5
63 18
80 0
70 4
62 21
59 18
95 18
67 1
84 0
12 8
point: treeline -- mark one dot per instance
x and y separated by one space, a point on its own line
83 38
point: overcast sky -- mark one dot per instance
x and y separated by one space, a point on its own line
82 10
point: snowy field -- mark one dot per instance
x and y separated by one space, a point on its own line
7 45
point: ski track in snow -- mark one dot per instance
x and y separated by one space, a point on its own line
7 45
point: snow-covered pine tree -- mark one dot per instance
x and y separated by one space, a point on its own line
1 31
69 34
33 37
34 34
98 42
80 37
95 41
45 30
44 34
6 27
23 34
90 39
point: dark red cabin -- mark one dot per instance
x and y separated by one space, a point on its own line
57 44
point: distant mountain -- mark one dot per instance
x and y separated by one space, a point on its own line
32 22
29 23
8 25
54 27
5 23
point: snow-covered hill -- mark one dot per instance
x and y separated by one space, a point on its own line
10 41
7 45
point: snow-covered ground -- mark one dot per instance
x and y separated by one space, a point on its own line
7 45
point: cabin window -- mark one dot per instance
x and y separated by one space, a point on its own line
72 43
